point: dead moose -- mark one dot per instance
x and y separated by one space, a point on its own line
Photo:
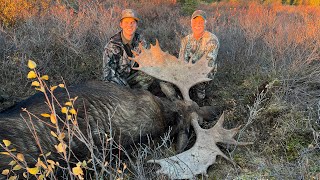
130 113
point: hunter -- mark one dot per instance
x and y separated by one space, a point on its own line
200 42
117 67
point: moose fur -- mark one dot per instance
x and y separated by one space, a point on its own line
133 115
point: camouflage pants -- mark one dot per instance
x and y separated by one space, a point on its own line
140 80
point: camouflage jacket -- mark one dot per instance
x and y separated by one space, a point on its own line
192 49
116 65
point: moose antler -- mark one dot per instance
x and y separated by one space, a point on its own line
166 67
196 160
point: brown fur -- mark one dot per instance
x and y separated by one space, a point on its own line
133 114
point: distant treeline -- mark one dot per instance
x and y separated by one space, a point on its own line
13 10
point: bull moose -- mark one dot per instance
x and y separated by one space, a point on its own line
128 115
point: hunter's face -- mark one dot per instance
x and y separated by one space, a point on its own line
128 26
198 26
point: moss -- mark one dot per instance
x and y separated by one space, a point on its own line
294 145
275 110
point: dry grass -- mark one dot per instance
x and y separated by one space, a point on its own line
269 44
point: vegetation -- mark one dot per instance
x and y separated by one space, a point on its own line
268 68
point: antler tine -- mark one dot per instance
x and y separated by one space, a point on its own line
226 135
196 160
220 121
142 49
135 53
157 44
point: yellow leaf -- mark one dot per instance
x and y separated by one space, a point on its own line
12 163
20 157
74 99
106 163
89 161
17 167
35 83
5 153
119 171
61 85
73 111
48 154
77 171
60 147
5 172
53 88
13 177
45 77
40 89
25 175
50 161
53 119
68 103
45 115
124 166
84 163
53 134
64 110
33 171
14 149
41 177
78 164
32 64
69 117
31 75
49 170
6 142
41 164
61 136
75 122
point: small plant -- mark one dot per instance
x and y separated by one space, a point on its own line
63 126
188 6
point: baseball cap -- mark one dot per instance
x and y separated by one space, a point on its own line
199 13
129 13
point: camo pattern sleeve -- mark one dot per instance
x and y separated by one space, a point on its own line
116 65
112 60
192 49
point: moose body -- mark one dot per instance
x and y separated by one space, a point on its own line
131 114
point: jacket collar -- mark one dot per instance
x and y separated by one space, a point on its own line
117 39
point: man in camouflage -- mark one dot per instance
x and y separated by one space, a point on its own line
195 45
200 42
117 67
